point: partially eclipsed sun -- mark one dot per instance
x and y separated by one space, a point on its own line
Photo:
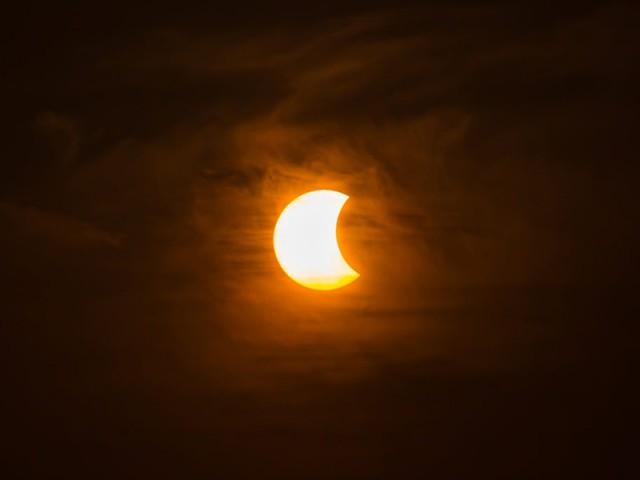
306 244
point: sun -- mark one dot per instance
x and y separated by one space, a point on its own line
306 244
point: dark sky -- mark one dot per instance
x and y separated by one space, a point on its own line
490 150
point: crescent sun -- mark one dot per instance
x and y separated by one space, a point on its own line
306 244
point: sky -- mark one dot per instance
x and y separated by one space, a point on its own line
489 150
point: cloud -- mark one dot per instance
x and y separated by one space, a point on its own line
487 150
469 149
60 137
59 228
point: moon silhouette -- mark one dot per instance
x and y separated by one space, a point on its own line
306 244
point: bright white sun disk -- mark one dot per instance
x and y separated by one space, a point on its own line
305 241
